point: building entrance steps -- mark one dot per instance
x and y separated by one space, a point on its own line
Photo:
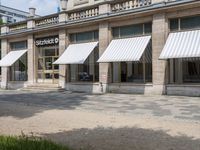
43 87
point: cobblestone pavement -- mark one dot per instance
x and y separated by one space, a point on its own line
172 107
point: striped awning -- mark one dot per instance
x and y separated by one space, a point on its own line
129 49
11 58
182 45
76 53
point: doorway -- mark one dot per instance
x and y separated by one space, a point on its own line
47 71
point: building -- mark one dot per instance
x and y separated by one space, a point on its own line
119 46
11 15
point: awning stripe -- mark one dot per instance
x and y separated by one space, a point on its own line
76 53
129 49
11 58
182 45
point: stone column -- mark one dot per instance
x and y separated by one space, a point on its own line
31 60
159 36
104 39
62 68
4 70
104 68
31 54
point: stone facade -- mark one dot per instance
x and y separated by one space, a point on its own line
103 21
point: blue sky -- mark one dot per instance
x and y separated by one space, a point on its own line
43 7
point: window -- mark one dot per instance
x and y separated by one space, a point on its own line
84 37
148 28
185 70
18 45
190 22
132 30
18 72
89 71
174 24
185 23
134 72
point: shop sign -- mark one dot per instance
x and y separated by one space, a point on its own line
47 41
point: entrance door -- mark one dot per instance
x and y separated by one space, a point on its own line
47 72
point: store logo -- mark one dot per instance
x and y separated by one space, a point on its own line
47 41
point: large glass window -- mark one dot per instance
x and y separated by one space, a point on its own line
133 72
185 70
18 45
84 37
132 30
89 71
192 22
18 72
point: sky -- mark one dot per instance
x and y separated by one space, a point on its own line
43 7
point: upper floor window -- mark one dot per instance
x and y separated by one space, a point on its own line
185 23
132 30
18 45
84 37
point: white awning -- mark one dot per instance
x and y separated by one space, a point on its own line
11 58
182 45
129 49
76 53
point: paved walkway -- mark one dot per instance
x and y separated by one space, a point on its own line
186 108
104 122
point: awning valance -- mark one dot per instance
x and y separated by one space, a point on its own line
129 49
11 58
76 53
182 45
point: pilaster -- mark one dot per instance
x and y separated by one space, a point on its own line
4 70
104 68
63 42
159 36
31 60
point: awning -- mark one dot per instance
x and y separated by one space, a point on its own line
76 53
182 45
11 58
129 49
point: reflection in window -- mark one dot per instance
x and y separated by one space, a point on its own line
87 72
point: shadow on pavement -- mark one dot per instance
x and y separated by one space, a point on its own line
41 101
123 139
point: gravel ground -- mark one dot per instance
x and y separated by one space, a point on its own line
85 128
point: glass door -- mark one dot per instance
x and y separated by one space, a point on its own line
47 71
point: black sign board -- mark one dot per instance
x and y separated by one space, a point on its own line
47 41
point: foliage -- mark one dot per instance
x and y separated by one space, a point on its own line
28 143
